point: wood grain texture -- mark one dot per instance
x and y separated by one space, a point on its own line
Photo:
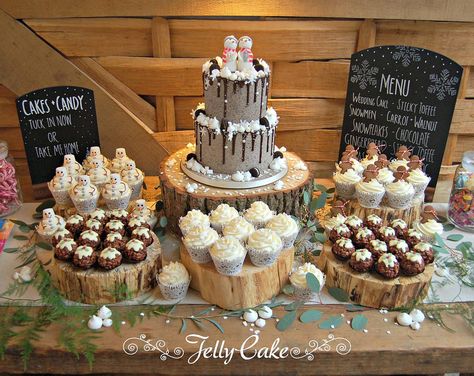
367 33
371 289
237 292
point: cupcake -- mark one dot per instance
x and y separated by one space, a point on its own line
99 174
228 255
84 257
426 251
399 248
400 227
109 258
417 177
84 195
134 178
144 234
264 246
369 192
363 236
346 180
377 248
412 264
222 215
258 214
343 249
285 227
373 222
94 225
94 155
116 193
174 281
60 186
120 214
115 240
100 215
298 281
400 193
198 241
372 155
361 260
238 228
388 266
115 226
75 224
135 222
385 175
386 234
350 154
354 223
193 218
89 238
413 237
338 232
403 156
135 250
59 235
337 216
65 249
428 226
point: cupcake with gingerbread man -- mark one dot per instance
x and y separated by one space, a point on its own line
370 191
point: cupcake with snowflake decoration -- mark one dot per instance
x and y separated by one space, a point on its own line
369 192
400 193
346 179
299 282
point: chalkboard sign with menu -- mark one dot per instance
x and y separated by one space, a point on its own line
56 121
401 95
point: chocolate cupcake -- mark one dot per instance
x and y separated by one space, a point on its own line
65 249
135 222
363 236
377 248
115 240
84 257
94 225
387 233
388 266
340 231
89 238
99 215
400 227
412 264
115 226
361 260
354 223
135 250
374 222
426 251
343 249
60 235
398 247
75 224
143 234
109 258
120 214
413 237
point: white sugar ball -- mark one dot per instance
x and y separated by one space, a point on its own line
94 323
415 325
260 323
250 316
417 315
265 312
404 319
104 312
107 323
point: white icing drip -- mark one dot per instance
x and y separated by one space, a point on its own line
388 259
135 245
84 251
90 235
75 219
114 236
109 253
67 244
142 231
115 225
362 255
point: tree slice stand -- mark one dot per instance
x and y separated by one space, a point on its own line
177 201
253 286
98 286
371 289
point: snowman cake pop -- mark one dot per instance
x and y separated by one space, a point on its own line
245 55
120 160
98 174
73 167
95 154
134 178
116 193
59 186
49 224
84 195
140 210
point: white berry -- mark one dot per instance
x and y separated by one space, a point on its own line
417 315
265 312
107 323
260 323
94 323
404 319
250 316
415 326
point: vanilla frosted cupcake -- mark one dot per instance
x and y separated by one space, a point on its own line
419 180
395 163
298 281
193 218
258 214
370 193
198 241
285 227
345 181
400 193
385 176
334 221
238 228
264 246
228 255
174 281
222 215
428 229
84 195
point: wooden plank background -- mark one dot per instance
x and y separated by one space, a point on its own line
148 59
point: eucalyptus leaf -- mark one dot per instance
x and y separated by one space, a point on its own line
288 289
455 237
163 221
439 249
439 240
448 227
319 202
10 250
45 205
20 237
310 316
442 219
320 188
318 237
286 321
24 229
216 324
464 246
331 323
359 322
306 197
338 294
44 245
355 308
293 306
313 282
183 326
18 222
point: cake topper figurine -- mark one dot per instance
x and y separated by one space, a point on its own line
339 207
370 173
121 158
95 153
245 55
98 173
429 213
229 54
115 187
345 164
382 162
61 179
72 166
415 162
401 173
372 151
50 223
84 188
350 151
403 153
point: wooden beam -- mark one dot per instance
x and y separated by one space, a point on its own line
27 63
160 31
439 10
366 35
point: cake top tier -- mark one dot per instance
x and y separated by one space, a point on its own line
236 65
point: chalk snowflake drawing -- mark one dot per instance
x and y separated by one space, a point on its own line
364 75
443 84
406 55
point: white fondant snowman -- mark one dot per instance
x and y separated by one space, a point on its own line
61 179
73 167
140 210
245 55
121 158
94 154
229 54
84 188
131 173
116 188
98 173
50 223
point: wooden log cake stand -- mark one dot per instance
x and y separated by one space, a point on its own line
251 287
98 286
177 201
371 289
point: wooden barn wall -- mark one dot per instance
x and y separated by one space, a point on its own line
152 66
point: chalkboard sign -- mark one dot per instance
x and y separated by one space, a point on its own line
401 95
56 121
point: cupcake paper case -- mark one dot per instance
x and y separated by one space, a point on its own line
370 193
264 247
84 195
198 241
228 255
258 214
174 281
298 281
285 227
346 182
419 180
400 194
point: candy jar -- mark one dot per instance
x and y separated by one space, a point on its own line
461 200
10 193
